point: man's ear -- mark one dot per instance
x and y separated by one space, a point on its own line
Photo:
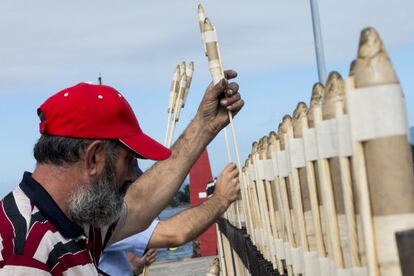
94 158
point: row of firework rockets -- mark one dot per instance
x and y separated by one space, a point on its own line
180 86
326 193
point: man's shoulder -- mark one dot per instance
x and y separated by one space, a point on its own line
27 236
23 228
15 218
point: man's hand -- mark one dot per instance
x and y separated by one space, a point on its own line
218 100
138 263
150 256
227 186
189 224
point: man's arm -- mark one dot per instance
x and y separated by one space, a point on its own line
155 188
188 224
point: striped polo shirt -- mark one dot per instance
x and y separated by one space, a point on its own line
36 237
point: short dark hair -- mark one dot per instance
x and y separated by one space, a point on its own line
60 151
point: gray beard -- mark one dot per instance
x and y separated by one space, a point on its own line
99 203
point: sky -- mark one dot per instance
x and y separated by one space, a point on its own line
48 45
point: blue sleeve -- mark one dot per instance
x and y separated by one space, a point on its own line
136 243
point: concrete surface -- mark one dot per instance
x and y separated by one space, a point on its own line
183 267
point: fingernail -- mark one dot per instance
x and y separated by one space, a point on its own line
229 92
223 101
229 107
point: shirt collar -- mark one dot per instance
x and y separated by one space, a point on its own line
48 207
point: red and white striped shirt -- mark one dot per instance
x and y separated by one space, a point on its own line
36 237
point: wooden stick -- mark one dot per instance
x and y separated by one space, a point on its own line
277 201
333 107
217 73
221 253
284 199
181 68
209 36
189 70
249 201
388 160
300 123
177 108
253 204
265 154
171 104
287 130
259 239
258 191
335 250
201 18
259 154
246 200
214 269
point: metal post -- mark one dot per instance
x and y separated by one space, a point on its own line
317 37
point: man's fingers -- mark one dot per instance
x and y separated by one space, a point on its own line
150 261
235 107
230 100
229 167
230 74
221 86
217 89
235 173
232 88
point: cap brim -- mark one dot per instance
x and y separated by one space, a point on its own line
146 147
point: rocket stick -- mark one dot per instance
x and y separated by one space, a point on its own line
262 198
221 252
276 196
189 70
171 104
264 155
388 160
261 155
334 106
300 123
364 202
177 108
295 199
256 196
188 73
228 253
183 90
334 250
246 200
217 72
253 203
256 207
201 18
284 196
304 189
287 129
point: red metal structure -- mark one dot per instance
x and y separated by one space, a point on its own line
200 175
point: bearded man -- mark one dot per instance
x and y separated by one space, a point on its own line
61 216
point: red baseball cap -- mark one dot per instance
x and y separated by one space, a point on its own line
97 112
